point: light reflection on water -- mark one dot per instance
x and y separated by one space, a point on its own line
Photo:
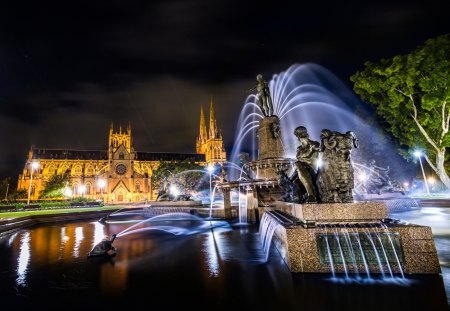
23 260
221 264
438 219
78 239
212 254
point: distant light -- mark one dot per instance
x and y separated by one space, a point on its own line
417 153
34 165
362 176
319 163
406 184
431 180
174 190
101 183
68 192
82 189
210 168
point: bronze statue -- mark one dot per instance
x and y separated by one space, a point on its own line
307 155
335 179
378 180
264 97
286 185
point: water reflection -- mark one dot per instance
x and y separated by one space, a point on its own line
212 254
78 239
439 220
224 266
98 233
23 260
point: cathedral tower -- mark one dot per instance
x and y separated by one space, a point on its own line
118 139
210 143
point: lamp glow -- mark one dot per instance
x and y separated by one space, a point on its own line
419 154
174 190
34 165
68 192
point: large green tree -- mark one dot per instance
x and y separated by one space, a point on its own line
411 93
54 186
186 174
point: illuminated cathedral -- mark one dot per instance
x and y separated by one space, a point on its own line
117 175
210 142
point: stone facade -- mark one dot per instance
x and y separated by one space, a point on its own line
210 142
120 174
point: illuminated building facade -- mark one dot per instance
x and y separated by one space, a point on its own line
120 174
210 142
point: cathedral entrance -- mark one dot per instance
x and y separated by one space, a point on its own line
120 197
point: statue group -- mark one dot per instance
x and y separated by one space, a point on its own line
330 182
333 181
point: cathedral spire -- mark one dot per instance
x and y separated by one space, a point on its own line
202 137
213 133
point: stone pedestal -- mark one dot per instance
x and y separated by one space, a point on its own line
301 244
269 138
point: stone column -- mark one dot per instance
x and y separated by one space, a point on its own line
269 138
227 203
252 205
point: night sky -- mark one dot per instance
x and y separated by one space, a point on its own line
70 68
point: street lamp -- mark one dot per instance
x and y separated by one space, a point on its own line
82 190
68 192
101 184
6 195
210 169
34 165
418 154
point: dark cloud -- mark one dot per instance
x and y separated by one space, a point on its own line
70 68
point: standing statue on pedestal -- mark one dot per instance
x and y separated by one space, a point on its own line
335 179
307 155
264 97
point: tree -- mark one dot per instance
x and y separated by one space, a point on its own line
411 93
54 186
186 174
5 186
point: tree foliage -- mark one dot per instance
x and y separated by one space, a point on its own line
186 174
54 186
411 93
9 191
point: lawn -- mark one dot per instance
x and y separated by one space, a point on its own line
50 211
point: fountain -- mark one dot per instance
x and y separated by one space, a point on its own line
305 205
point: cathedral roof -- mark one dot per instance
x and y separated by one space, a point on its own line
167 156
70 154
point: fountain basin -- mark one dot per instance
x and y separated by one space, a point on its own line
175 203
302 243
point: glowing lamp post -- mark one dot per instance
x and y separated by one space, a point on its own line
68 192
418 154
82 190
34 165
101 184
210 169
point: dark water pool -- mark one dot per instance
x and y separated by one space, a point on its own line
206 266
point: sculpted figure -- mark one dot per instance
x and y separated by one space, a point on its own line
335 179
275 130
286 184
378 180
264 97
307 154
